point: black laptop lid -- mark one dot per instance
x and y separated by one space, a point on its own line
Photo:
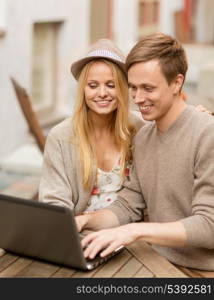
40 230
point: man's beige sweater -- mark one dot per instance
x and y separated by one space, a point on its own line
173 176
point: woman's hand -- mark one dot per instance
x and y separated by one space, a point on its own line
203 109
81 221
96 220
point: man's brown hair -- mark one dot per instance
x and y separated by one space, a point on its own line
166 49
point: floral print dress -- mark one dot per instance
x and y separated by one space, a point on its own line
106 188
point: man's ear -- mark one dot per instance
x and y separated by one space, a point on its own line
178 83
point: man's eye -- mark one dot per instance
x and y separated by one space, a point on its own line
149 89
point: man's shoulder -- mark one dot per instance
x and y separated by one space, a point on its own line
144 133
146 130
198 127
201 121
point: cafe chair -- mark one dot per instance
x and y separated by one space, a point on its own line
30 117
29 114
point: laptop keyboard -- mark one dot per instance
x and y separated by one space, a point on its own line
99 260
93 263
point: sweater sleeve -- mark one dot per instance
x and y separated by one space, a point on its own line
200 225
130 202
54 185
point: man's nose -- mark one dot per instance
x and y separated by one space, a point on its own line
138 97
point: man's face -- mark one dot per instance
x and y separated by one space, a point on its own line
151 92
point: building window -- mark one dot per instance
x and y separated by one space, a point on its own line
2 17
100 19
185 22
148 17
195 22
44 63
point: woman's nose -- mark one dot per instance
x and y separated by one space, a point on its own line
103 91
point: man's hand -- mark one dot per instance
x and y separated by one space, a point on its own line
109 240
172 234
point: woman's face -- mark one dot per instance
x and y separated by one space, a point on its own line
100 90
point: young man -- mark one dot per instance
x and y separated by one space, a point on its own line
173 168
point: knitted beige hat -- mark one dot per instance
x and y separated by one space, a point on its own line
103 48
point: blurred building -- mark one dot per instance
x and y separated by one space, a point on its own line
39 40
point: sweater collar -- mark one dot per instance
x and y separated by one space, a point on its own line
185 114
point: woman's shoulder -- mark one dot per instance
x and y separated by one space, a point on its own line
136 119
63 130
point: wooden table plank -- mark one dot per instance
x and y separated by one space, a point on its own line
38 269
156 263
17 266
139 260
64 273
87 274
188 272
113 265
6 260
129 269
144 273
196 273
2 252
205 274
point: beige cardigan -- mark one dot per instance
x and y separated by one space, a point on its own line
61 182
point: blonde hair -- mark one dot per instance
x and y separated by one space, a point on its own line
120 124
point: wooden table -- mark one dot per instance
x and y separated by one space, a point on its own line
137 260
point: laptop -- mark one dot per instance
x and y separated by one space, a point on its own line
43 231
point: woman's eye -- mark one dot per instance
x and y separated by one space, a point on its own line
92 86
111 85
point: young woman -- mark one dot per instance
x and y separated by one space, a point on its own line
87 156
